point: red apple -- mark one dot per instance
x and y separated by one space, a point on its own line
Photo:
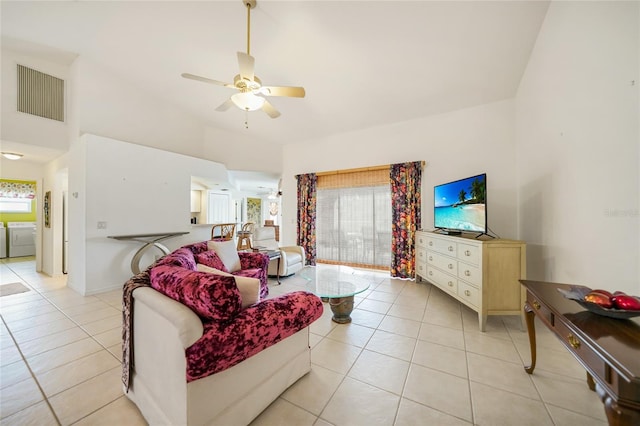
605 292
599 299
625 302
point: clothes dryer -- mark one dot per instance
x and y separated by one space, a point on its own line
3 241
22 239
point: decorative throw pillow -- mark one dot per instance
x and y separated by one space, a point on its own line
228 253
249 287
210 296
211 259
181 257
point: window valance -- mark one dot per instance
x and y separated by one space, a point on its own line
17 189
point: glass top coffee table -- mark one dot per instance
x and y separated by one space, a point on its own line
336 284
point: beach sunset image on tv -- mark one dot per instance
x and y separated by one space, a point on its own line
461 205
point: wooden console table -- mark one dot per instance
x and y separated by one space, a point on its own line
148 241
608 348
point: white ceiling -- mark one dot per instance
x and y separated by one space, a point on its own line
362 63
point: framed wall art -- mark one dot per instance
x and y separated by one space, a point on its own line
47 209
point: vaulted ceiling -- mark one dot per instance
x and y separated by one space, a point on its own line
362 63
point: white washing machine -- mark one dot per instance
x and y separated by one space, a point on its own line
22 239
3 241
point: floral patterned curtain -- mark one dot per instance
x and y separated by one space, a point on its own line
307 215
16 189
406 181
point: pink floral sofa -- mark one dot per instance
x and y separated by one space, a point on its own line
192 355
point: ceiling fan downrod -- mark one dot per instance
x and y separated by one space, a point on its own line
250 5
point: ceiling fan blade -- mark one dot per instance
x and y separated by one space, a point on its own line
293 92
225 105
247 65
270 110
206 80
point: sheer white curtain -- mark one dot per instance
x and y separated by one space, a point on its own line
353 225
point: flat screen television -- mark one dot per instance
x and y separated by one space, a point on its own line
461 206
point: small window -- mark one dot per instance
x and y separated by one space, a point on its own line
15 205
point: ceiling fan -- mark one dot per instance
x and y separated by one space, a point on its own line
251 93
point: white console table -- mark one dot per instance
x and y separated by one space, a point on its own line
148 241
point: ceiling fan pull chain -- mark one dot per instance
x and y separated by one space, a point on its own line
246 119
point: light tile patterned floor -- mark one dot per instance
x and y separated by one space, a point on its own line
411 356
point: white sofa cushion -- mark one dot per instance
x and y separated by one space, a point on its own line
227 252
249 287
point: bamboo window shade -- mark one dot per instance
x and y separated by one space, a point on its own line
350 178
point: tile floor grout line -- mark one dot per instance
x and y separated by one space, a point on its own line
406 379
33 376
77 325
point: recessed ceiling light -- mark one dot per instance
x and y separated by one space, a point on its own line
11 155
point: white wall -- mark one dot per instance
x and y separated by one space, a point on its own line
20 169
241 153
76 277
135 190
111 106
455 145
578 147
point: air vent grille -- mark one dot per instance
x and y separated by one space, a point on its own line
40 94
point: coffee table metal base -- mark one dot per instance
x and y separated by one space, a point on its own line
341 308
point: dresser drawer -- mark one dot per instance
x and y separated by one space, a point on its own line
421 240
469 254
442 280
469 293
445 263
470 273
442 246
421 269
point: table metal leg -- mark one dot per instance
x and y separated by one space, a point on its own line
135 261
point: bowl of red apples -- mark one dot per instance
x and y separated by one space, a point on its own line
602 302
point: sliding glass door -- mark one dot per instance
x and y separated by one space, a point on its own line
353 226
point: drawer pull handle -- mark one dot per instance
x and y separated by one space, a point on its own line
467 273
430 272
450 248
430 257
467 293
536 305
430 243
573 341
467 253
450 284
450 266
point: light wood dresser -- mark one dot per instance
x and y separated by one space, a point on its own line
482 274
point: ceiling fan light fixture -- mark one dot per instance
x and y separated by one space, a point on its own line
247 101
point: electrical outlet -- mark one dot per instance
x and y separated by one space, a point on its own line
102 225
